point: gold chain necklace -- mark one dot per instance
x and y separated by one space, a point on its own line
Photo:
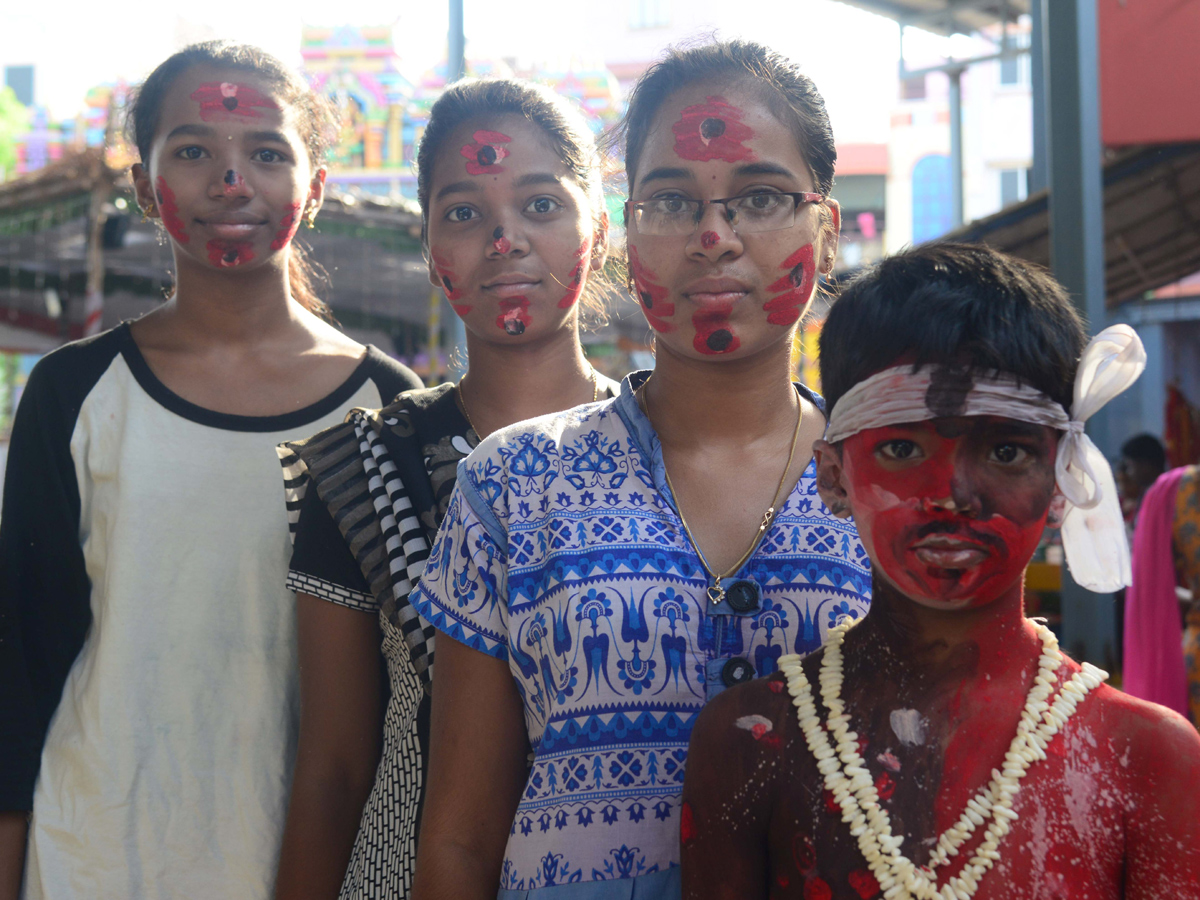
462 399
716 593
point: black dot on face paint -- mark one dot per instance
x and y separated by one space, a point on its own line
230 103
797 276
498 233
514 327
230 177
712 128
647 300
486 155
719 340
449 287
230 256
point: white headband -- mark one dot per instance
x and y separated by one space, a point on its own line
1093 531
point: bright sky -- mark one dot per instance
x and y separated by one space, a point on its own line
76 44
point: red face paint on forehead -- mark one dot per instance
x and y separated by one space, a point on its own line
514 315
287 227
924 541
712 130
441 265
714 335
483 155
228 254
575 279
651 295
709 239
228 101
796 285
169 210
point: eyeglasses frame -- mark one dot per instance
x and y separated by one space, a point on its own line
798 198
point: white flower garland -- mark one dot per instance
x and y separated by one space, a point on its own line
847 778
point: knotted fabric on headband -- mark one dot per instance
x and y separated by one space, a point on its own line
1093 531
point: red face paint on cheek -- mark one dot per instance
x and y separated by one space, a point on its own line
228 254
796 286
931 553
714 336
287 227
575 279
709 239
449 280
514 315
712 130
651 295
227 101
484 154
169 210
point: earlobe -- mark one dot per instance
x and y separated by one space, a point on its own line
600 244
829 479
829 242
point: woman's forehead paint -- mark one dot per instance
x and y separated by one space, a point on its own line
484 154
233 181
169 210
712 130
287 227
713 333
514 315
228 254
709 239
653 296
441 265
575 279
500 243
796 286
226 100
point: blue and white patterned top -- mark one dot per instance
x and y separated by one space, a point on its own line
562 553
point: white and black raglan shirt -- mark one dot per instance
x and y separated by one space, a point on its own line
148 663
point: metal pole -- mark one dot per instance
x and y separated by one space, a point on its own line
956 153
1037 84
1077 244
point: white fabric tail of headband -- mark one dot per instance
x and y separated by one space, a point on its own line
1093 530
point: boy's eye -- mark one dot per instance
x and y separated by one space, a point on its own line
1009 454
191 152
461 214
543 205
900 449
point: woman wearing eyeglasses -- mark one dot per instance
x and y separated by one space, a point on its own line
602 573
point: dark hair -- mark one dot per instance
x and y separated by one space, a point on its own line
315 121
475 98
790 95
963 304
1146 448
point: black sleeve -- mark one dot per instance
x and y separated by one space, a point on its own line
45 594
322 564
392 378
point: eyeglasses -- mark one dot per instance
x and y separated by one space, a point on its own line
678 216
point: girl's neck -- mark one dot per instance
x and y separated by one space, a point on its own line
696 402
213 308
509 383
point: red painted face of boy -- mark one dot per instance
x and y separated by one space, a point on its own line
724 292
951 510
229 171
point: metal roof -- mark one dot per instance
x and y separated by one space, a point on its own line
945 16
1151 221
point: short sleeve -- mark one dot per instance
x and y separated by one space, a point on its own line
463 590
322 564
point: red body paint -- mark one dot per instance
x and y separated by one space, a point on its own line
687 825
225 100
804 851
233 182
864 883
713 333
441 265
653 296
817 889
169 210
514 315
885 785
796 285
575 279
709 239
483 155
228 254
712 130
287 227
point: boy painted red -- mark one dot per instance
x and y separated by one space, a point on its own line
943 747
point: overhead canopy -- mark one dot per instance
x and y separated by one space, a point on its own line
945 16
1151 221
